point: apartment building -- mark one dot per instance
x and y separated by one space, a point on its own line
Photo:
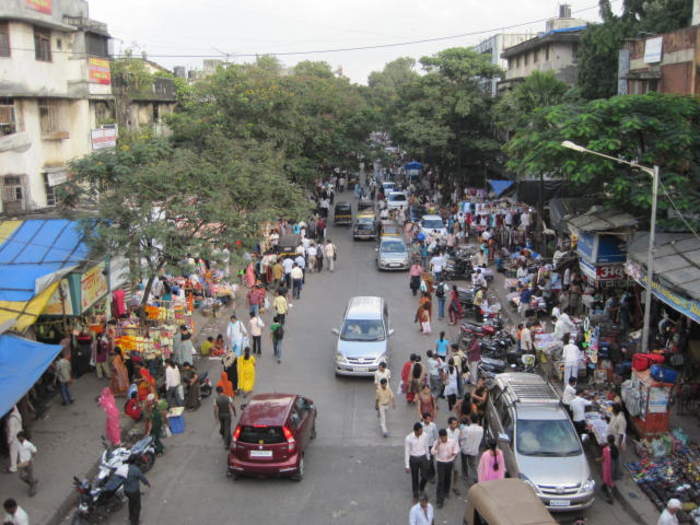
493 47
55 94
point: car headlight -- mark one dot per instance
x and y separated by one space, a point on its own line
340 357
588 486
527 480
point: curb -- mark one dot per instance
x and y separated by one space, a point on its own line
628 507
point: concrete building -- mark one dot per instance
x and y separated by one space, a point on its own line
554 50
665 63
55 93
493 47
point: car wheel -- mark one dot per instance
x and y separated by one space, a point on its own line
299 474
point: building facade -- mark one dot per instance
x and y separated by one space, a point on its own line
55 89
493 47
554 50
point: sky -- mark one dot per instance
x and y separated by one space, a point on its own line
217 28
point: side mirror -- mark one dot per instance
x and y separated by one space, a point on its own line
335 331
502 436
391 332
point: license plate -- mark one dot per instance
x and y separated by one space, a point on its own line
359 369
261 453
395 265
559 502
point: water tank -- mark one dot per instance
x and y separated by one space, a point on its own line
564 11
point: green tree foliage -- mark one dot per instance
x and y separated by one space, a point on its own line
155 204
600 44
652 129
384 86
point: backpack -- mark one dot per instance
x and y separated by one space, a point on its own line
440 291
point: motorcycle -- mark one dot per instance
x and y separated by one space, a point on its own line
143 453
95 502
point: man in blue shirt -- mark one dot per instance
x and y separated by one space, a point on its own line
442 345
132 490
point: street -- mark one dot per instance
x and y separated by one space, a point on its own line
352 474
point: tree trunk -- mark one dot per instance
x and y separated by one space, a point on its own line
149 284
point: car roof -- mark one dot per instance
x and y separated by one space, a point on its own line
389 238
528 388
267 409
431 218
397 193
365 307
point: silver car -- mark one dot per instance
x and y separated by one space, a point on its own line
392 254
539 442
363 338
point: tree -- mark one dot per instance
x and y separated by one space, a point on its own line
384 87
653 129
156 204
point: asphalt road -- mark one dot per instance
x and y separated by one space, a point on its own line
352 474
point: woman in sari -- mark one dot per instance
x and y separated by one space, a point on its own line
157 417
454 307
250 275
424 319
246 372
417 378
406 378
191 379
113 429
146 382
120 375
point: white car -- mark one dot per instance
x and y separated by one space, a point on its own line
433 225
388 187
397 200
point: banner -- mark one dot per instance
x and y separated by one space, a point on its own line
43 6
102 138
60 302
98 71
93 286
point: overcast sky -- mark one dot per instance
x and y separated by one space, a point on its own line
216 27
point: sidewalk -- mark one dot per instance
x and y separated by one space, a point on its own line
68 443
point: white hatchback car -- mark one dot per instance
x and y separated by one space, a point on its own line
432 225
397 200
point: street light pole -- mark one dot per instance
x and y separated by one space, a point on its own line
654 173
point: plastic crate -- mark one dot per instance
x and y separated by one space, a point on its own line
177 424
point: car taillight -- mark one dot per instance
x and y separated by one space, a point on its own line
291 442
236 435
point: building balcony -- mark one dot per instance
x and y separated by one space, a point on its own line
16 142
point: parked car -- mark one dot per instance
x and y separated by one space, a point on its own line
433 224
342 213
539 442
392 254
397 200
363 337
272 435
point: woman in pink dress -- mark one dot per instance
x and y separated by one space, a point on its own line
609 451
491 464
250 275
112 425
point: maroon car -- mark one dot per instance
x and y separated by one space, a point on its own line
272 435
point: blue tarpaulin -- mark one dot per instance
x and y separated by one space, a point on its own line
413 166
21 364
499 186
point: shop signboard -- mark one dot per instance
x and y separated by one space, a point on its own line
93 286
60 302
42 6
102 138
585 246
605 275
99 71
611 249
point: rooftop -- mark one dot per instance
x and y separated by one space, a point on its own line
567 34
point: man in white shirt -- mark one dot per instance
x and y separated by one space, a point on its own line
25 466
330 251
571 356
297 276
454 433
416 451
256 325
15 515
436 264
563 325
526 339
668 516
445 450
471 435
382 373
569 393
172 383
578 412
235 332
422 513
288 264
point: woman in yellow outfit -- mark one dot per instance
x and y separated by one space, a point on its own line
246 372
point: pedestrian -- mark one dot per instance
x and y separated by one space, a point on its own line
416 453
132 489
571 356
526 339
255 326
113 429
64 378
277 334
415 272
426 403
608 456
172 383
669 515
441 291
25 465
434 365
617 427
471 434
119 385
191 379
454 433
246 372
417 377
382 373
288 264
13 425
569 394
235 334
441 346
297 276
422 512
102 358
436 264
281 306
424 319
312 253
224 412
451 381
384 398
431 431
331 253
578 411
14 514
159 410
473 358
491 464
227 386
406 371
454 309
445 451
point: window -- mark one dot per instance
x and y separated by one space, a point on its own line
48 116
96 45
12 194
42 44
50 191
4 39
8 122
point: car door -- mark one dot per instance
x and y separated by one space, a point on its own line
301 413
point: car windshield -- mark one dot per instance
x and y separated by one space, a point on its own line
548 437
433 224
261 435
364 225
362 330
393 247
397 197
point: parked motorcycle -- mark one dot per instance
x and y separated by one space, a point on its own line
96 502
143 453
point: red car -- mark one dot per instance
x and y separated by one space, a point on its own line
272 435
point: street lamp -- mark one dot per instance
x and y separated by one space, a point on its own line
654 173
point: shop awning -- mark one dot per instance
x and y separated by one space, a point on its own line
21 364
598 219
34 255
499 186
562 209
414 165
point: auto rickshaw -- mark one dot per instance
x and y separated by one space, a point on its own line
365 225
505 502
342 213
287 245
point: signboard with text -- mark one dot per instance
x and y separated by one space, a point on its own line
102 138
93 286
43 6
98 71
60 302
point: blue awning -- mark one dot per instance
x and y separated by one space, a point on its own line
413 166
499 186
21 364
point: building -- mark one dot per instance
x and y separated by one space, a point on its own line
665 63
554 50
55 94
493 47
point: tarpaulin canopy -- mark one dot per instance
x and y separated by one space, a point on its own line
499 186
21 364
34 255
413 165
